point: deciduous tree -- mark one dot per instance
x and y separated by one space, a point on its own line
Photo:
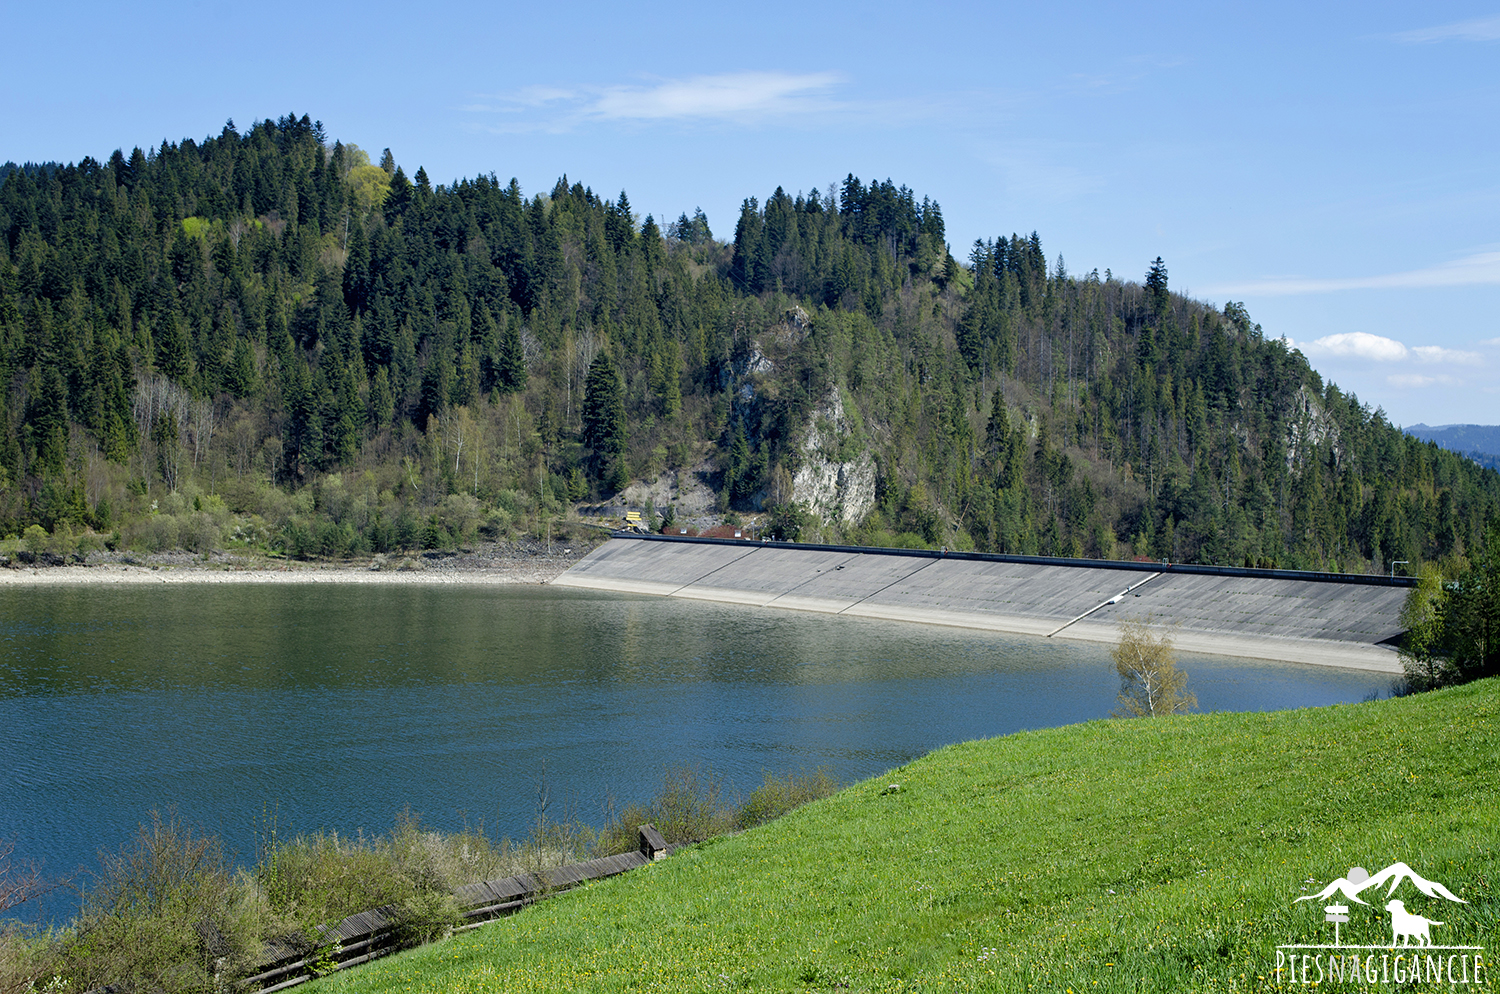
1151 685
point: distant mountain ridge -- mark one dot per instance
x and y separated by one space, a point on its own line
1479 442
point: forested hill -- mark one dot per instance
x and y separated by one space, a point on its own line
268 338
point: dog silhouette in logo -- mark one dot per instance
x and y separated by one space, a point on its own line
1407 926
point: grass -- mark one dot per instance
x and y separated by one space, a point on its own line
1127 855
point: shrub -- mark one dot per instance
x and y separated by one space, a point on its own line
497 524
166 914
426 916
318 879
34 539
778 795
322 878
459 516
156 533
26 956
688 807
163 914
199 532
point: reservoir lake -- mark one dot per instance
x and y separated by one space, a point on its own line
337 706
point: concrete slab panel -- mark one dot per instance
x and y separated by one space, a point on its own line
774 570
821 605
953 619
613 583
657 562
724 595
1015 589
861 576
1267 607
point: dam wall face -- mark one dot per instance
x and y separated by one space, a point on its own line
1327 619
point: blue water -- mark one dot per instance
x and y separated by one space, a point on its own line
337 707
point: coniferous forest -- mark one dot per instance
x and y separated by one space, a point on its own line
269 339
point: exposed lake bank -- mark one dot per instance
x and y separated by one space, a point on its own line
492 563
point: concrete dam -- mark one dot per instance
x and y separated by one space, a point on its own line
1320 618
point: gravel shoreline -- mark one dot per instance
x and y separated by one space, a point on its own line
508 563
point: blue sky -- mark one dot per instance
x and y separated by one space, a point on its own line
1333 166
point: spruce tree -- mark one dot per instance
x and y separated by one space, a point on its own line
1157 297
603 409
511 368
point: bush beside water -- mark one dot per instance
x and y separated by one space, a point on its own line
168 912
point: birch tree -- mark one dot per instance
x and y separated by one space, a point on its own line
1151 685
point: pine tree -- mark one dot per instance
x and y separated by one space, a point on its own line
47 424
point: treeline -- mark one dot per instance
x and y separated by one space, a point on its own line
270 338
1452 619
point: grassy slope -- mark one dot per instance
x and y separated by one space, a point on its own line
1117 855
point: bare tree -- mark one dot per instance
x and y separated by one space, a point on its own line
531 348
19 884
245 440
585 347
160 408
456 429
205 415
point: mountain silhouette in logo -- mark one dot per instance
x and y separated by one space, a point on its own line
1349 886
1397 872
1359 881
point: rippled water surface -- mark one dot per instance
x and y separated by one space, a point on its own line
335 707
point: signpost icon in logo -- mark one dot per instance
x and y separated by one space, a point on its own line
1338 914
1350 886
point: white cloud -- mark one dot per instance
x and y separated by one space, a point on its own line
737 96
1479 269
1480 29
730 95
1361 344
1436 353
1416 380
1378 348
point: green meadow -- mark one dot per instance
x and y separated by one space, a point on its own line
1122 855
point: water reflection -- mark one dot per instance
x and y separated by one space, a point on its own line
336 707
